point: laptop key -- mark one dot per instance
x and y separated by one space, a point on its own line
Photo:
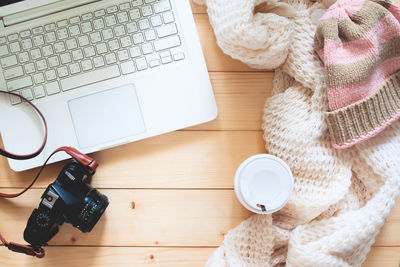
3 50
25 33
156 21
74 20
98 62
38 91
124 6
9 61
154 63
15 99
168 17
112 9
30 68
87 16
19 83
52 88
111 58
50 27
38 78
179 56
86 65
137 3
38 30
62 71
50 75
15 47
13 37
166 60
27 93
147 11
167 30
135 51
13 73
141 63
90 77
166 43
123 55
23 57
162 6
99 13
128 67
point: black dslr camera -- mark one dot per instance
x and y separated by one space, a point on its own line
69 199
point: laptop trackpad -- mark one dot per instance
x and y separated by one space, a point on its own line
106 116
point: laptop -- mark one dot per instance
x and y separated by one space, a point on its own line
104 73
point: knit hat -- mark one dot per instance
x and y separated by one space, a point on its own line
359 43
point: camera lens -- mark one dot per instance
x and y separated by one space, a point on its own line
94 205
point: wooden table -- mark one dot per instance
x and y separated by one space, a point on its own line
171 197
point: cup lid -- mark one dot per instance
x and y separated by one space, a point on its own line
263 183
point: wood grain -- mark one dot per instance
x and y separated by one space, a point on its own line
141 218
159 218
198 9
240 99
383 257
183 159
111 256
151 256
390 232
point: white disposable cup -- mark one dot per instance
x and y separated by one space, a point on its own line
263 183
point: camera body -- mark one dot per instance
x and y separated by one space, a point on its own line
69 199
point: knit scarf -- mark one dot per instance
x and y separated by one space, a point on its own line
341 198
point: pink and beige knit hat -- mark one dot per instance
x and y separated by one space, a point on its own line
359 43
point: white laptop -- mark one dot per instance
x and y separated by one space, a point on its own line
103 73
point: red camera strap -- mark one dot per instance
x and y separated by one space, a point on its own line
25 249
37 152
81 158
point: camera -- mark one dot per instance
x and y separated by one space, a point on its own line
69 199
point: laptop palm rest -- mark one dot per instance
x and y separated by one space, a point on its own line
106 116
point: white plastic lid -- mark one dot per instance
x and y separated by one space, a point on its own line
263 183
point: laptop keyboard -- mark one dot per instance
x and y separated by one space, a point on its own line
135 36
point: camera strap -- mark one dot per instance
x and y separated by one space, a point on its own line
10 155
85 160
25 249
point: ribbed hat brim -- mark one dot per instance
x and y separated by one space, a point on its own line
366 118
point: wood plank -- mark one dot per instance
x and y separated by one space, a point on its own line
216 60
159 218
110 256
145 256
183 159
240 98
383 257
390 233
198 9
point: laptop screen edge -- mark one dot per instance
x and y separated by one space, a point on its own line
23 6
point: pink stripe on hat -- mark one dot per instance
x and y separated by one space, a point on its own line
395 11
340 97
350 52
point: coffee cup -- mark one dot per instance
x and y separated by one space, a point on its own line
263 183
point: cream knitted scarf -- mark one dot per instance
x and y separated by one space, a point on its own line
341 198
